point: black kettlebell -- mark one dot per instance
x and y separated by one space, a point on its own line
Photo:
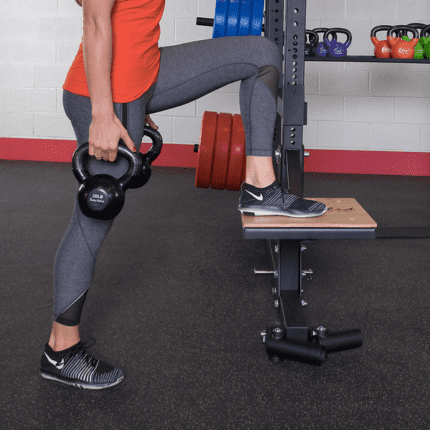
102 196
143 176
313 41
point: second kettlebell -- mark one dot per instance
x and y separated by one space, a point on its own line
143 176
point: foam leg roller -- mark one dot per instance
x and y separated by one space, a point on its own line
341 341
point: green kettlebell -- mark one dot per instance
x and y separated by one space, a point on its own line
419 47
425 40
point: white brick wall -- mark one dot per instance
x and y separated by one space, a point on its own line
361 106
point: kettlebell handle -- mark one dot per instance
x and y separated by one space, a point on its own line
381 28
82 174
335 31
312 35
407 28
322 30
417 25
157 144
425 32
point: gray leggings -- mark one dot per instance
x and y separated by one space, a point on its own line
187 72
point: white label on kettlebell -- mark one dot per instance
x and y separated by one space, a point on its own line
97 198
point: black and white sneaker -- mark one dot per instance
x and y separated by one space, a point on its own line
74 366
273 200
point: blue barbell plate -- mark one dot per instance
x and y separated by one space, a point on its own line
220 21
233 17
257 18
245 18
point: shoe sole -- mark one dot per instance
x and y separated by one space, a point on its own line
265 212
83 385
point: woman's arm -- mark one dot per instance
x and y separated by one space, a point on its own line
97 50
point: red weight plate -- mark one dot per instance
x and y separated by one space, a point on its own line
237 158
221 151
206 149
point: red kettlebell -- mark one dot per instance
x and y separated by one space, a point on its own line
400 48
382 47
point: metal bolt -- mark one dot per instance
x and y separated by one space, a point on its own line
304 304
307 273
306 154
274 291
276 304
278 330
276 248
303 248
263 272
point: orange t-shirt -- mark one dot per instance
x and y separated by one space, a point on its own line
135 52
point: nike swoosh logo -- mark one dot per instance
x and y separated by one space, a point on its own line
59 366
259 198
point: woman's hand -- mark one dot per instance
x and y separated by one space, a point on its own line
149 121
105 133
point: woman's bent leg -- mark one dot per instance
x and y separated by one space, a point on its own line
192 70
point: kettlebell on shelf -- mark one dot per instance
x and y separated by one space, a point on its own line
425 41
402 49
320 49
334 47
311 45
382 47
419 48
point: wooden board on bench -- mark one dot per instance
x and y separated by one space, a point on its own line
341 213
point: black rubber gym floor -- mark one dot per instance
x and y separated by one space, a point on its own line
175 304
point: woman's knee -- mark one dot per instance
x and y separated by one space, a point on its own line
269 75
269 53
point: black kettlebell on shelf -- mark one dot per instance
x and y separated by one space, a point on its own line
143 176
311 45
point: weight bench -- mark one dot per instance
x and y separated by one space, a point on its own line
290 337
287 238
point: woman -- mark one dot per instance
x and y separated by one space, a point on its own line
119 62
